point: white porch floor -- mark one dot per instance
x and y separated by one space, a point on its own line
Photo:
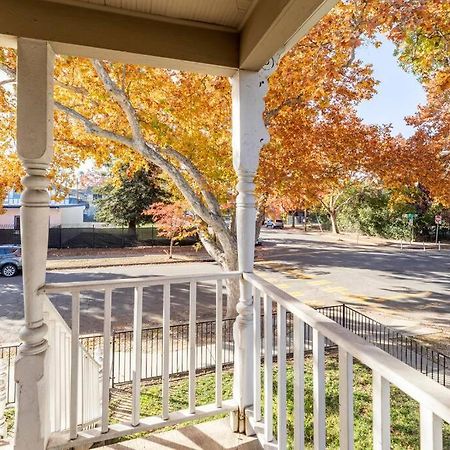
214 435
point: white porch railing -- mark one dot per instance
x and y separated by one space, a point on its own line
60 364
75 404
434 399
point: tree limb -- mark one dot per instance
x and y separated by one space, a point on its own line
92 128
122 99
198 177
10 73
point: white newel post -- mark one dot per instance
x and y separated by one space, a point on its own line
249 135
34 145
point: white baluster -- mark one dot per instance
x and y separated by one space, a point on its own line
74 367
106 359
430 430
3 387
137 357
257 354
319 391
345 400
65 422
381 413
219 313
166 354
299 384
268 367
192 343
281 358
53 364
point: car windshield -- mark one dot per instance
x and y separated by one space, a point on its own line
10 251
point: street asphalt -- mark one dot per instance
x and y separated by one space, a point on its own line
406 289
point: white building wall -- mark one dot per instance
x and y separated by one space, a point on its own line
7 218
71 216
57 216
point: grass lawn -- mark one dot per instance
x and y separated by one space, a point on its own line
404 411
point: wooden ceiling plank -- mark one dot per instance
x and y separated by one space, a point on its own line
86 32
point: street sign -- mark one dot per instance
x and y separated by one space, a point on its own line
437 219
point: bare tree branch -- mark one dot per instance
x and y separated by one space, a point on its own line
10 73
122 99
198 177
94 129
269 115
76 89
4 82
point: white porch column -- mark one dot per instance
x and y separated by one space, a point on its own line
249 135
34 145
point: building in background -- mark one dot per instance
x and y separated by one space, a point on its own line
67 212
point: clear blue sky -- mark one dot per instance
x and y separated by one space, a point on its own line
399 93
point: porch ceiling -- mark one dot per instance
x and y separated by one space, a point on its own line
213 36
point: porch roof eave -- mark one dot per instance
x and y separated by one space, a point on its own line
77 30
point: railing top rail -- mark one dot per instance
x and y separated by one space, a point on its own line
155 280
418 386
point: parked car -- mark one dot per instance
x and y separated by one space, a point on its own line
278 223
10 260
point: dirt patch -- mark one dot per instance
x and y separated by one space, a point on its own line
88 257
437 341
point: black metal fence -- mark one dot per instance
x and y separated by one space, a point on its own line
96 237
430 362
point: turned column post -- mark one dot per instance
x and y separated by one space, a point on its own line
34 145
249 135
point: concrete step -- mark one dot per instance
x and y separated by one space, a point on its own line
213 435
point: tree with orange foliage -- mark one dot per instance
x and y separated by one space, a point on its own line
135 115
173 222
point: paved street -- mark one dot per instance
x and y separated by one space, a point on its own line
409 290
406 289
91 320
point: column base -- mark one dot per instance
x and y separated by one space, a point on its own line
32 402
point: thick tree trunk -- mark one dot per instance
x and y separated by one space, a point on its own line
333 218
227 257
260 218
230 264
132 231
